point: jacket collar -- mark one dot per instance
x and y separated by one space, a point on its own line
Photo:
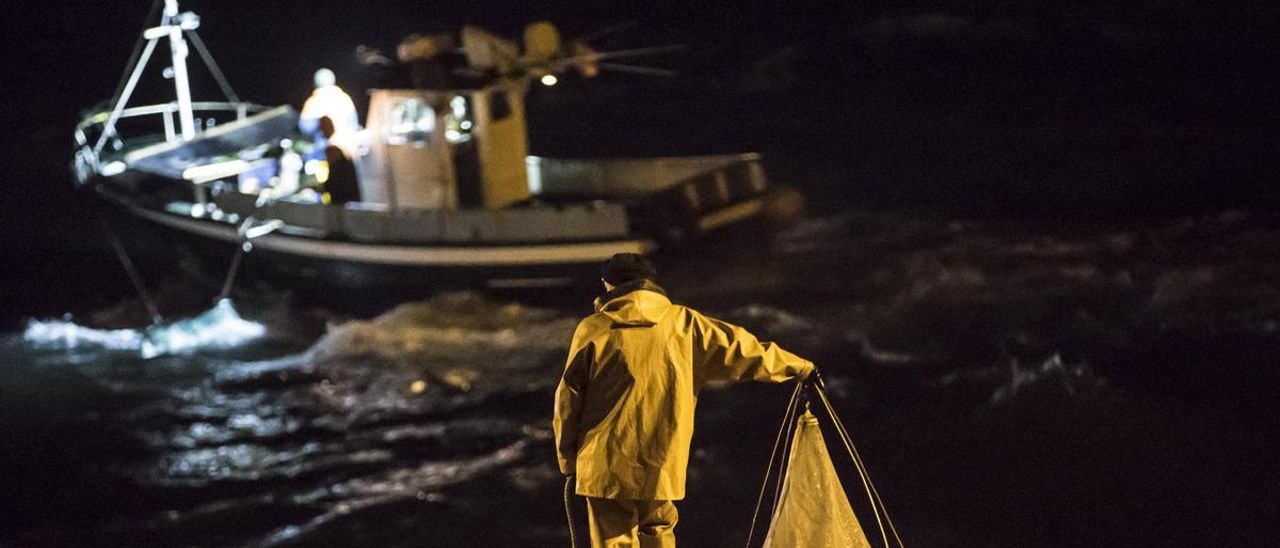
626 288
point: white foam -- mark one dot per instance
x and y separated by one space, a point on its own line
452 325
218 327
67 334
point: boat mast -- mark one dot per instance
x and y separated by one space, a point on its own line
172 27
173 24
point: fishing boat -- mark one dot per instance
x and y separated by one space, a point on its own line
447 191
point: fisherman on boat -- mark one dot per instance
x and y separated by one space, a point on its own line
341 182
625 404
327 100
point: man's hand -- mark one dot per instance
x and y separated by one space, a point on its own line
815 378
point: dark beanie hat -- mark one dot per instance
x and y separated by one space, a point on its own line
627 267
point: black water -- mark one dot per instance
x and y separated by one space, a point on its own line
1050 388
1041 275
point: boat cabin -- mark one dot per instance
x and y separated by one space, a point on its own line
446 149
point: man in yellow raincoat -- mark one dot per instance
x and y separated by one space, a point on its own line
624 406
327 101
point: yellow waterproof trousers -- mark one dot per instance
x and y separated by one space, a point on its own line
617 523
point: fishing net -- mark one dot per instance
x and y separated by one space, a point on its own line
813 510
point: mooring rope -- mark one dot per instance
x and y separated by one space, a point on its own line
132 271
786 421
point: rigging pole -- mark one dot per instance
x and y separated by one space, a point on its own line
178 50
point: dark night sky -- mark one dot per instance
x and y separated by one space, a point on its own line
60 56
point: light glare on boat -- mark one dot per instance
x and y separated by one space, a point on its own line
549 80
113 168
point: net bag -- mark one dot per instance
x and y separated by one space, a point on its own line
813 510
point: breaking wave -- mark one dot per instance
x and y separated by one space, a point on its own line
217 328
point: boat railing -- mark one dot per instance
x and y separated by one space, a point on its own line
89 155
625 178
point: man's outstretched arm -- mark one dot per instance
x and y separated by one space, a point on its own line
568 406
729 352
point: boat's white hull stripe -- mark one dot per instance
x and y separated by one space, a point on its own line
533 254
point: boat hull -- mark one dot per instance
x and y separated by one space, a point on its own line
365 270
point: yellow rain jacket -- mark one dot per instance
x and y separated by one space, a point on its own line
624 406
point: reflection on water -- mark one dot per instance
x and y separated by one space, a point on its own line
984 371
376 412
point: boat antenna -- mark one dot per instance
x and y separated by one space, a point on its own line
636 69
619 54
603 60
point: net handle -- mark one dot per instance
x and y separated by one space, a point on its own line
873 494
777 443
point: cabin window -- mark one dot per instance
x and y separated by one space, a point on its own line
410 122
499 106
458 123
